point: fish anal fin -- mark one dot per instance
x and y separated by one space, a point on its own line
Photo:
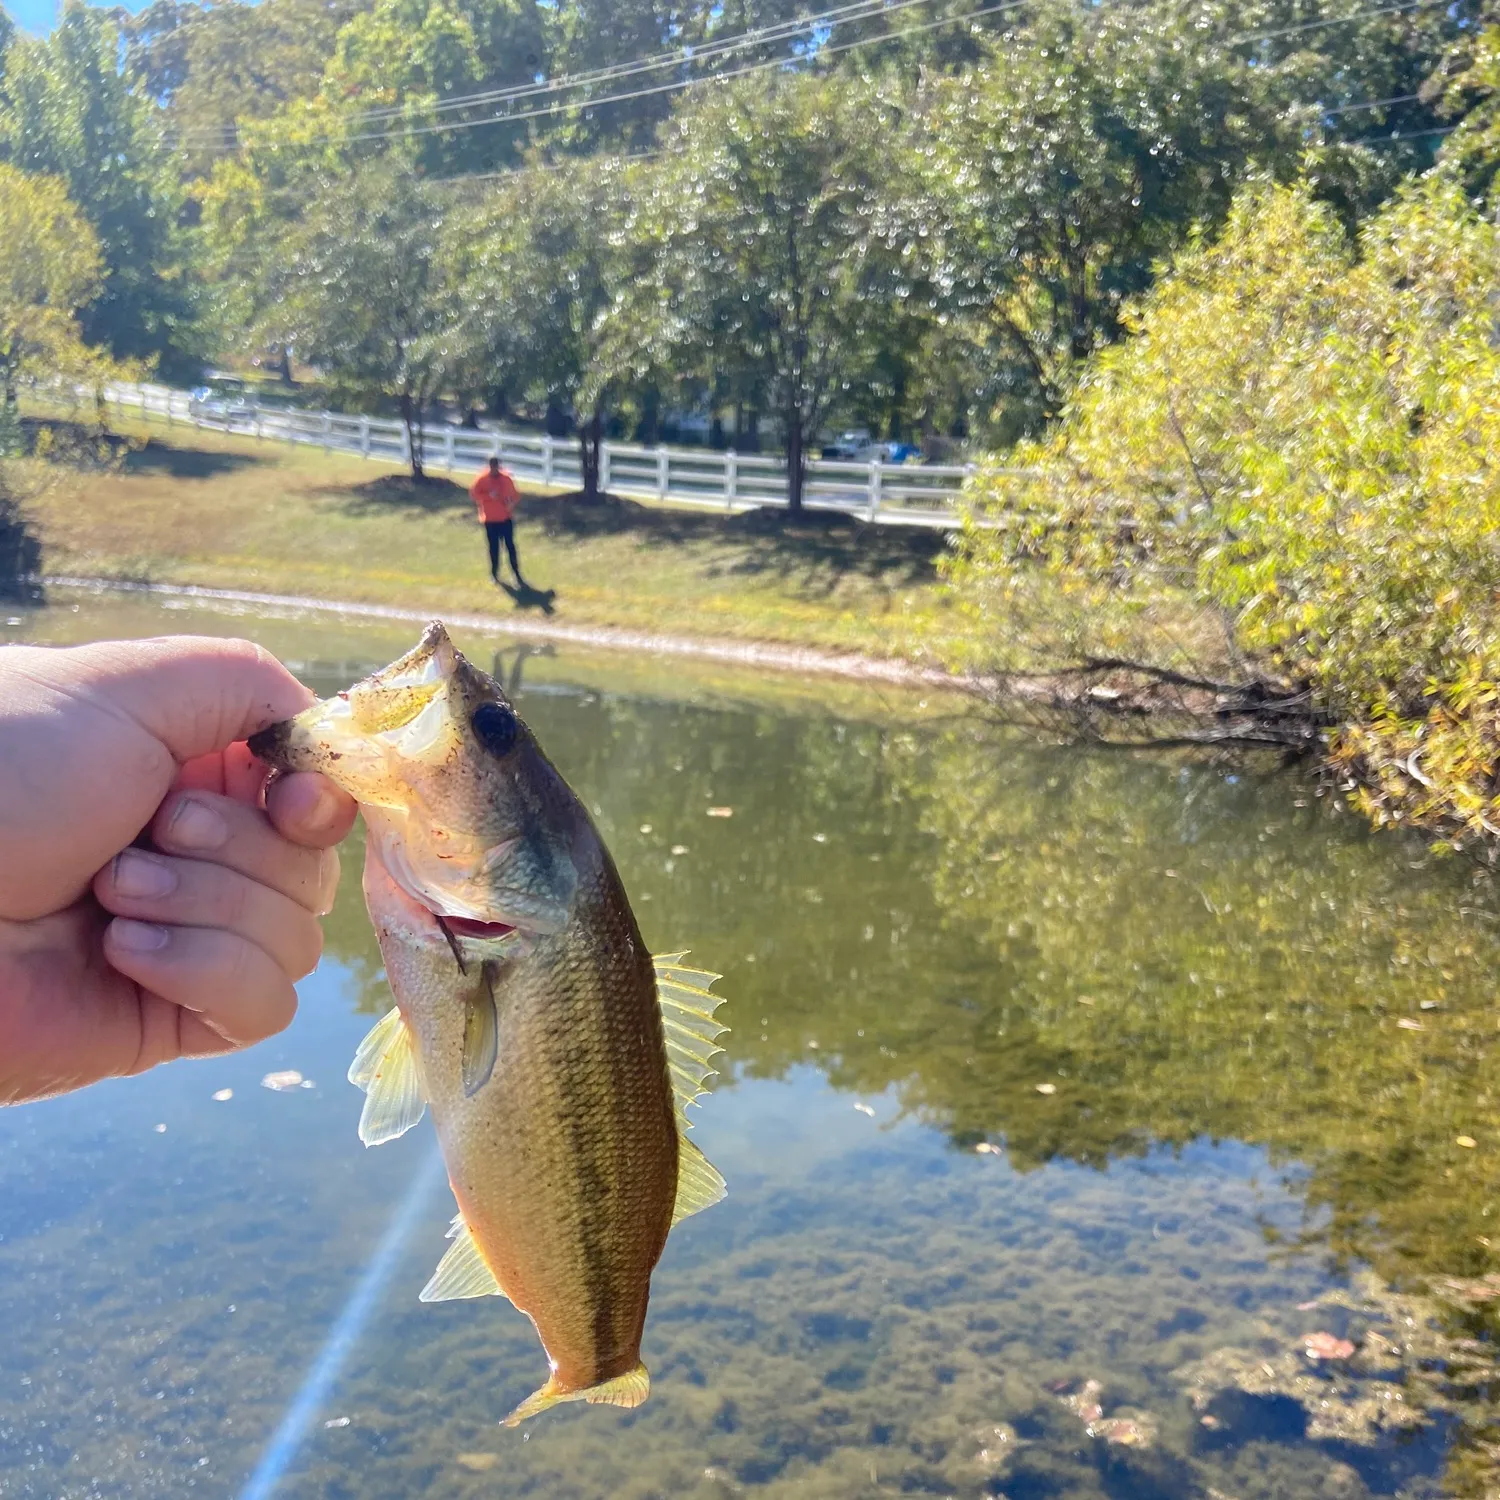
462 1271
699 1183
385 1067
481 1033
628 1390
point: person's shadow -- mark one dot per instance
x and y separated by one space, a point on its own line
526 597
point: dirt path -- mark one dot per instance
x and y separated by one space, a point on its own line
799 659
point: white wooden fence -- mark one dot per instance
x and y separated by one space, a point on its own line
892 494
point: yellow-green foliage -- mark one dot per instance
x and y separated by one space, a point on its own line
1300 439
49 267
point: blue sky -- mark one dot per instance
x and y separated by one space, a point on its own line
39 16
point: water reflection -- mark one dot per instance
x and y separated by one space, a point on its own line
1221 1048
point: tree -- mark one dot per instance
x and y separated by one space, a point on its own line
771 261
69 111
395 64
1296 448
49 269
542 265
1056 174
209 67
361 292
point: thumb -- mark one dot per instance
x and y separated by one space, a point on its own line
193 694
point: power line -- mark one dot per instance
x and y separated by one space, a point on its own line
1397 135
1361 15
855 10
1344 109
682 85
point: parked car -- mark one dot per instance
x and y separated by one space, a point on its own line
848 445
222 403
857 446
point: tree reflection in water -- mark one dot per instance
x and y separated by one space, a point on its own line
1181 950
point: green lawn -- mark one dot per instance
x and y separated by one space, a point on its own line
187 506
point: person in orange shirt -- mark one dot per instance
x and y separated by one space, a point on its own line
495 497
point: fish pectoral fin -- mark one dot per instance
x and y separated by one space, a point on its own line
699 1183
687 1014
462 1271
385 1067
628 1390
481 1033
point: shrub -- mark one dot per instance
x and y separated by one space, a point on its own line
1296 444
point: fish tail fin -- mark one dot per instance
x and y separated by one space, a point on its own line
628 1390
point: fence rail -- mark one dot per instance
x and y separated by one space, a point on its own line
888 494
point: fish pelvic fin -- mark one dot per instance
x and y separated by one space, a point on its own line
385 1067
687 1014
628 1390
462 1271
481 1032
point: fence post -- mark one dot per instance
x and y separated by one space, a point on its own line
328 431
448 449
546 458
364 437
875 477
603 468
495 445
406 445
663 473
731 477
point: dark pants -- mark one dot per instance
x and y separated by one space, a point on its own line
495 532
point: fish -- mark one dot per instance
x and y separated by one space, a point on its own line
557 1055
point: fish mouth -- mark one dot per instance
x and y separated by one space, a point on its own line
423 914
470 928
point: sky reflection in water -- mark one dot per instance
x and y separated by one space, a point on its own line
918 923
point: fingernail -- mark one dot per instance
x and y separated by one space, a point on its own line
194 825
140 875
139 937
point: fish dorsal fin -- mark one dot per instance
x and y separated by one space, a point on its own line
687 1014
385 1067
462 1271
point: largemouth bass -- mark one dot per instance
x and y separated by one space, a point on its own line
557 1056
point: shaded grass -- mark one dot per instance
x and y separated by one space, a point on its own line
188 506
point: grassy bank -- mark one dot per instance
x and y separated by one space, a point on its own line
187 506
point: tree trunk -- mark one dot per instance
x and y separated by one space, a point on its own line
284 365
796 458
590 436
411 417
648 429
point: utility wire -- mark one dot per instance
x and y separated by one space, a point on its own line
855 10
682 85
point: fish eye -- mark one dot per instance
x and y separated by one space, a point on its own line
495 726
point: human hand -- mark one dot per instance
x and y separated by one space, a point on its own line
114 957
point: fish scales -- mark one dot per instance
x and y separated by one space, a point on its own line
530 1014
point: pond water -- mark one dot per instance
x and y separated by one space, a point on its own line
1067 1098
